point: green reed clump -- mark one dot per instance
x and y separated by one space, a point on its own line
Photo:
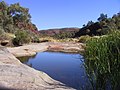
102 61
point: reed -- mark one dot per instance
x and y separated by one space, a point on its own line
102 61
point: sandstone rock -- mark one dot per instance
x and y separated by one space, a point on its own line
28 50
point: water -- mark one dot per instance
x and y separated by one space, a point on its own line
66 68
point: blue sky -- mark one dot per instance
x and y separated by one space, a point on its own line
67 13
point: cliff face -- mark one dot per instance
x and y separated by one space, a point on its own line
52 32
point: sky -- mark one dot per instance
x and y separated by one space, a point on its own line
48 14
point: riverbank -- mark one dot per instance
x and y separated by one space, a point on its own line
32 49
16 76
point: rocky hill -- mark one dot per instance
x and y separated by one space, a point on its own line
92 30
52 32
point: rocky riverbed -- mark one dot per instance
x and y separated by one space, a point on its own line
16 76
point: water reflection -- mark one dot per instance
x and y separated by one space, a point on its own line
25 59
67 68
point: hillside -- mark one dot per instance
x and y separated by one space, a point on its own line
16 19
52 32
104 25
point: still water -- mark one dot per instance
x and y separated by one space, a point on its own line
66 68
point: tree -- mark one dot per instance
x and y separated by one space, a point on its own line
21 16
15 16
102 17
5 18
90 23
116 19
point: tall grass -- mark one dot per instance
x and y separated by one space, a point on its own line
102 61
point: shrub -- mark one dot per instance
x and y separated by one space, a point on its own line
21 38
35 39
1 30
3 35
64 35
102 61
84 39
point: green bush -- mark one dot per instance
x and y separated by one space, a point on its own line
64 35
84 39
22 37
3 36
102 61
1 30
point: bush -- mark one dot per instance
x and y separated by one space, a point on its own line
84 39
3 35
22 37
35 39
102 61
64 35
1 30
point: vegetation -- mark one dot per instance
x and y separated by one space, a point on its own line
21 38
103 26
102 61
102 54
84 39
64 35
15 18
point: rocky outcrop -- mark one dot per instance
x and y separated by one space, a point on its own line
16 76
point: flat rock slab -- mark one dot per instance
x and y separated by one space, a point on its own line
32 49
66 47
28 50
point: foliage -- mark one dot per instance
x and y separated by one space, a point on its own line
21 38
103 26
90 23
84 39
1 30
103 61
14 17
102 17
35 39
64 35
3 36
